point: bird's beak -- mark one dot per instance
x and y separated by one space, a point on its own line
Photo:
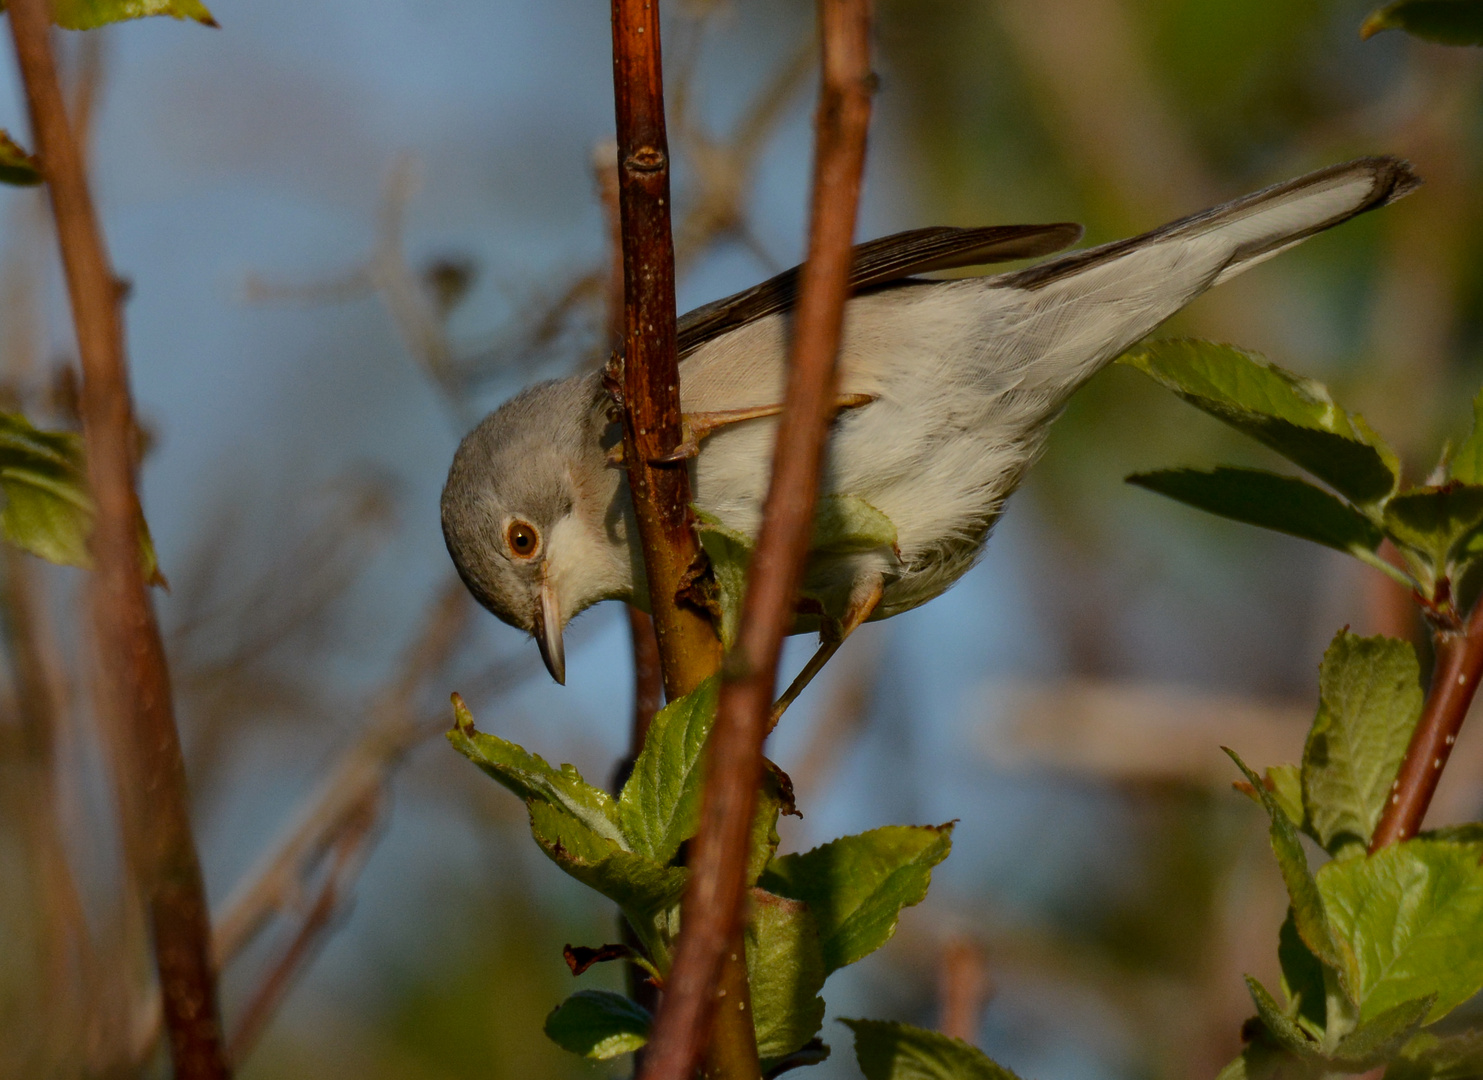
548 630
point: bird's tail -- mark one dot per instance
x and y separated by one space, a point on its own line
1255 227
1074 314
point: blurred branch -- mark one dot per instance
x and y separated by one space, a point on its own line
712 906
150 770
963 988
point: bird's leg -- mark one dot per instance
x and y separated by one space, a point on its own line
863 601
696 426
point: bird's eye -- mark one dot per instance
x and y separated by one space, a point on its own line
522 538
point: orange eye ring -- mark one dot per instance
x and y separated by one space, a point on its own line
523 539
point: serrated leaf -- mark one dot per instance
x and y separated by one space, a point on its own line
531 779
643 888
1377 1041
1278 1023
730 553
1450 22
1294 416
598 1024
1466 463
1412 915
856 886
1302 979
17 167
91 14
659 808
1369 701
844 524
785 968
1284 504
1436 522
48 508
1308 913
886 1050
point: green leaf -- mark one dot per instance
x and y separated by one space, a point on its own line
1282 503
1292 415
532 780
644 889
1436 522
1308 914
1450 22
1444 1057
844 524
91 14
16 166
785 967
1263 1058
659 808
1412 914
774 799
856 886
1302 979
1285 782
598 1024
1466 464
890 1051
48 507
1278 1023
1375 1042
730 553
1369 701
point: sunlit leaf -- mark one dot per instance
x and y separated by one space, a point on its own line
1412 914
1376 1041
16 166
659 808
1271 501
598 1024
890 1051
1369 701
785 968
90 14
1308 914
1450 22
1466 462
48 508
856 886
1285 782
1293 415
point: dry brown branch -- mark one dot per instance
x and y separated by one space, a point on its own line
149 769
712 906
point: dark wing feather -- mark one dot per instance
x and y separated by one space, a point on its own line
878 262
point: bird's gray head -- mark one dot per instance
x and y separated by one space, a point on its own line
528 513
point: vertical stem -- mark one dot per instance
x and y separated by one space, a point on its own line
712 911
149 769
1455 675
688 646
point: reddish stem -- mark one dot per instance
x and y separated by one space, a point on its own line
150 773
1455 675
712 911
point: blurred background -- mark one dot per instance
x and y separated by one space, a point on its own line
351 229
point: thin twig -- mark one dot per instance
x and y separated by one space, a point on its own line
1459 666
150 770
963 988
712 906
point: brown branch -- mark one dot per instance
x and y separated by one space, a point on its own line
712 909
149 769
1459 666
688 646
963 988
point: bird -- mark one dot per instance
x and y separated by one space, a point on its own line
947 390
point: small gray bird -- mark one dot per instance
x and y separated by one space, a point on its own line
948 388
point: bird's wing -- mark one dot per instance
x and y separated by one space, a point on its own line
877 262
